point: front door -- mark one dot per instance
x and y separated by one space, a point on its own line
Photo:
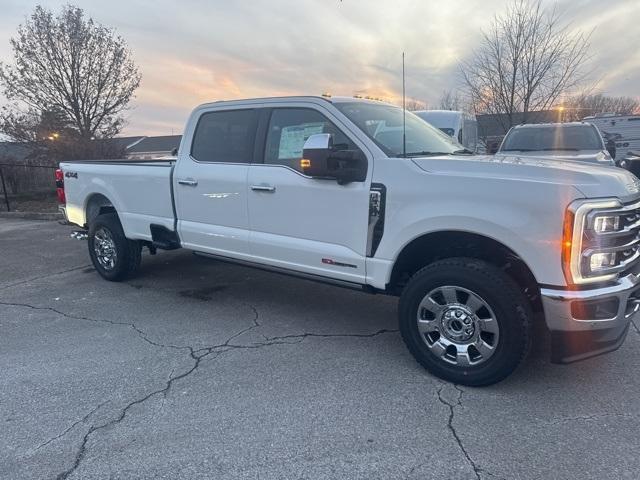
300 223
210 183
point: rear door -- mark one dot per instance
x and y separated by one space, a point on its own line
301 223
210 182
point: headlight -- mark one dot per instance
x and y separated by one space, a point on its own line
606 223
601 261
600 240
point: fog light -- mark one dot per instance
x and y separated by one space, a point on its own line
595 309
609 223
601 261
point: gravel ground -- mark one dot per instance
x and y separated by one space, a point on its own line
200 369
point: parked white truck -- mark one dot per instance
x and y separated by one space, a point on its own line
326 189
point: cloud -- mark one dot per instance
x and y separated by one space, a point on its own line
195 51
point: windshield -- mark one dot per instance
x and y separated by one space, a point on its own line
383 124
573 137
448 131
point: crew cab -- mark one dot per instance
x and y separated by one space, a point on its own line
477 248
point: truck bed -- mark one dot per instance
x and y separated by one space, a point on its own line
139 190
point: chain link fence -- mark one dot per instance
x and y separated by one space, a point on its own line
27 184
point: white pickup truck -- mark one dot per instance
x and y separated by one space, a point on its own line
476 247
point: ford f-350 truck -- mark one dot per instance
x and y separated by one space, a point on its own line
364 195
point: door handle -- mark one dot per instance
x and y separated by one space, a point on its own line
188 182
263 188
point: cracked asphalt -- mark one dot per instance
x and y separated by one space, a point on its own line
201 369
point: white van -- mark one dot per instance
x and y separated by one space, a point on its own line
460 125
623 130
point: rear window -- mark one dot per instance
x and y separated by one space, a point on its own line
225 136
574 137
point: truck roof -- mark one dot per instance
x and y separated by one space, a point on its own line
314 98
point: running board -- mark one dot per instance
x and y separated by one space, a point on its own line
291 273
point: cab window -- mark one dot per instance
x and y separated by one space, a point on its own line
225 136
289 128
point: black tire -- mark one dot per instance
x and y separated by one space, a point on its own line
500 293
128 252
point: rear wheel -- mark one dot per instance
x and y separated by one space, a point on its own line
114 256
465 321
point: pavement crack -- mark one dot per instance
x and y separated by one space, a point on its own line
196 355
227 343
413 469
285 340
451 406
40 277
302 336
72 426
133 326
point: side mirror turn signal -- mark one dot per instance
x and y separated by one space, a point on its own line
320 160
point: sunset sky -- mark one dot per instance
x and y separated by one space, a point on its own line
194 51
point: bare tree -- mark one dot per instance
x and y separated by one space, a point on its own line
69 65
525 62
584 105
411 104
450 100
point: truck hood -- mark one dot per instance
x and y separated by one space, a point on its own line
591 180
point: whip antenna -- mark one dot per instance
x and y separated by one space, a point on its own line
404 114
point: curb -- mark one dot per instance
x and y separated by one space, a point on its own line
31 215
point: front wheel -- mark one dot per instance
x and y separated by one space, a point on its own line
465 321
114 256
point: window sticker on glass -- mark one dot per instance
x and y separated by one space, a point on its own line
293 137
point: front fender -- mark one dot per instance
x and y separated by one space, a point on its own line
530 226
535 254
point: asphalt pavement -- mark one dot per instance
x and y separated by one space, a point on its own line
202 369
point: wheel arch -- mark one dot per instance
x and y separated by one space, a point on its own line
97 204
428 248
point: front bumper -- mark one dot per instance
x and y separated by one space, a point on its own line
586 323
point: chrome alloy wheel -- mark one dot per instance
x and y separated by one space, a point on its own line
105 248
458 326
